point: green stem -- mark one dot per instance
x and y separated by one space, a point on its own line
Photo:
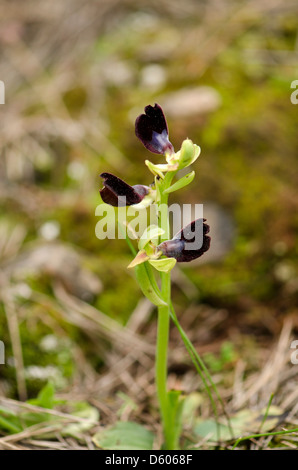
162 358
163 324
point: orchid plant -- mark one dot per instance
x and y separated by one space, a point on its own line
157 251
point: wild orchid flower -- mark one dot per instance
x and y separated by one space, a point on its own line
188 244
118 193
152 130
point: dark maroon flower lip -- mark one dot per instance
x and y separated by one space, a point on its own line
188 244
117 193
152 130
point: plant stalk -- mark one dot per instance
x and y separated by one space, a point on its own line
163 323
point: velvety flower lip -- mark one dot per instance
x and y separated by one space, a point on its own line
119 194
188 244
152 130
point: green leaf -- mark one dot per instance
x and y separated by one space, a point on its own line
124 436
7 412
190 407
243 423
45 398
184 181
32 418
150 234
86 411
9 421
174 411
164 265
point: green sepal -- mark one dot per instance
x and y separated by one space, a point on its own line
153 168
165 167
164 265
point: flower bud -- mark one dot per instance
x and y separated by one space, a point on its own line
188 153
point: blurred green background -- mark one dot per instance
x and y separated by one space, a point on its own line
77 74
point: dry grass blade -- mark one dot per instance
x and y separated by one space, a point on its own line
17 405
13 326
268 380
112 328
